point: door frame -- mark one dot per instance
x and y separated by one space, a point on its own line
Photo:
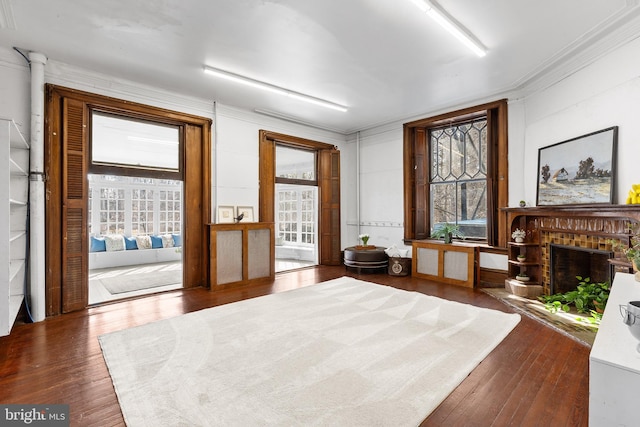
66 146
328 165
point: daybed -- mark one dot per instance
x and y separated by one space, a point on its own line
116 250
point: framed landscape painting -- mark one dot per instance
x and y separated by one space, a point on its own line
578 171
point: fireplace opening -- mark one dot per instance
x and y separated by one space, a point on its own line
567 262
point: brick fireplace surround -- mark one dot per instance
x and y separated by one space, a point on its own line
586 227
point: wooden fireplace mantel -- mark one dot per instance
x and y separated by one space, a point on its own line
626 212
609 220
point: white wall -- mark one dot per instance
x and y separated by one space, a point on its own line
381 189
604 94
236 163
15 95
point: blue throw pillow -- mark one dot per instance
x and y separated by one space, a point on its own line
177 240
130 243
156 242
97 244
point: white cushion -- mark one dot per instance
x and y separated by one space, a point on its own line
143 242
114 242
167 241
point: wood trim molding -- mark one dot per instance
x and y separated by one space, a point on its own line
497 114
294 141
328 158
197 185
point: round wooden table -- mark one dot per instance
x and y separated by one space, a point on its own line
366 259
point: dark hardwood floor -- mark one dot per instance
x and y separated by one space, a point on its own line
535 377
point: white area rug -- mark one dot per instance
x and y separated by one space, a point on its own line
136 282
342 353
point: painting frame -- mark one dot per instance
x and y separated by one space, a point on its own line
247 211
226 214
578 171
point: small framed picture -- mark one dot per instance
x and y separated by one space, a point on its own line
225 214
246 212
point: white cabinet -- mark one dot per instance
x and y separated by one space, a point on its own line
14 187
614 362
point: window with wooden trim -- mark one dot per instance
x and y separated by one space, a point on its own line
455 168
458 177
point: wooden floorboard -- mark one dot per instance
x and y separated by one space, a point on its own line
536 376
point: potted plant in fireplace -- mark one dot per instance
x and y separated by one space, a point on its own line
588 297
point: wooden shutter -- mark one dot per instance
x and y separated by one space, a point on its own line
196 194
267 177
74 206
329 183
421 177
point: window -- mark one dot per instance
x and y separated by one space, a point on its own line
142 211
111 212
296 213
288 216
295 164
307 216
134 143
455 169
134 205
296 190
458 177
170 211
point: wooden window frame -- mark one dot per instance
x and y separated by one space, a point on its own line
417 163
67 162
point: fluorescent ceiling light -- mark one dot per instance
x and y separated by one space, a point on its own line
457 30
272 88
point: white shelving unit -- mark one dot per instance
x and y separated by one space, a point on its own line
14 187
614 362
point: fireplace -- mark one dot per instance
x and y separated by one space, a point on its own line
586 232
567 262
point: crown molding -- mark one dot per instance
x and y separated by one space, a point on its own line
73 77
281 125
612 33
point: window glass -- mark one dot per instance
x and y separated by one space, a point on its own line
134 206
458 178
296 214
134 143
293 163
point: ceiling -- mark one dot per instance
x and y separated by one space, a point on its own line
383 59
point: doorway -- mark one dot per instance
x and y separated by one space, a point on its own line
296 205
327 180
296 226
135 221
67 167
